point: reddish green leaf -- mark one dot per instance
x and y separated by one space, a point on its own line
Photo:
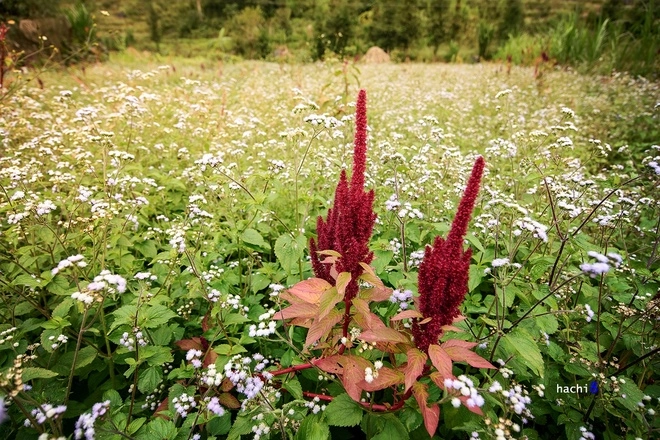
458 343
386 377
406 314
342 281
300 310
328 301
322 327
384 334
457 352
379 292
441 360
415 366
353 375
229 401
310 290
331 364
431 415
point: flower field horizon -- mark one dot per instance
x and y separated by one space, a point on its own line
157 282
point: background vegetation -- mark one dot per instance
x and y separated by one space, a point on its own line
605 35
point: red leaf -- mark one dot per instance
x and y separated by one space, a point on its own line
415 366
379 292
162 407
229 401
460 354
431 414
458 343
300 310
387 377
363 315
330 364
322 327
406 314
451 328
441 360
353 375
384 334
310 290
190 344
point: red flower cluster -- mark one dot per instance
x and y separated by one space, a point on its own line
350 221
444 271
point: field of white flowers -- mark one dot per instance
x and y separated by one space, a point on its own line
152 217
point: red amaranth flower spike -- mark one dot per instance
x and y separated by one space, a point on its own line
349 223
443 273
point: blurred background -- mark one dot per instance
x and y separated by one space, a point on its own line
605 35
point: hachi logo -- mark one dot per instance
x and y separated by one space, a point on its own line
591 388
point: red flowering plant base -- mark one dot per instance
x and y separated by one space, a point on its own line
336 305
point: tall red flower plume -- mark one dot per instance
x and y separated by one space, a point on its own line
443 273
349 224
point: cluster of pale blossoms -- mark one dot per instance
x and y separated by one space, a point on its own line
517 398
45 412
239 372
266 326
602 264
370 374
129 341
183 404
85 423
401 298
465 387
68 262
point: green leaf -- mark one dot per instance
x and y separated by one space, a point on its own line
313 428
62 310
161 429
293 386
155 356
384 427
343 411
241 426
523 343
476 275
136 425
220 425
114 398
382 259
633 394
149 379
290 251
156 315
147 248
123 316
30 373
26 280
252 236
85 357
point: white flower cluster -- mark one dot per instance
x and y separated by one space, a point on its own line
194 357
266 326
409 211
602 264
107 280
183 404
499 262
85 423
516 397
129 340
214 406
260 429
589 312
416 258
238 371
213 295
323 120
314 406
537 229
465 386
392 203
145 276
402 298
370 374
45 412
68 262
211 377
6 335
45 207
55 343
655 167
234 302
275 290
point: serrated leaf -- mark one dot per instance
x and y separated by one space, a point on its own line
391 428
229 401
313 428
30 373
441 360
384 334
149 379
342 281
156 315
521 342
289 251
415 366
379 292
135 425
310 290
147 248
294 388
458 352
343 411
252 236
431 415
